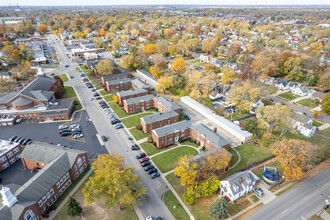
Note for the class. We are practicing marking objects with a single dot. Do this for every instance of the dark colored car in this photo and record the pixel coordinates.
(102, 102)
(66, 65)
(66, 134)
(26, 141)
(12, 138)
(65, 130)
(18, 139)
(153, 170)
(115, 121)
(119, 126)
(144, 164)
(104, 138)
(159, 218)
(148, 167)
(98, 98)
(187, 117)
(144, 159)
(82, 75)
(135, 147)
(154, 175)
(141, 155)
(21, 141)
(93, 90)
(96, 94)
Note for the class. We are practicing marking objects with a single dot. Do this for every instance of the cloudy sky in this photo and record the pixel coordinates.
(153, 2)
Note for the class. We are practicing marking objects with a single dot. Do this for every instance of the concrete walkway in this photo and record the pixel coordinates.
(239, 159)
(174, 148)
(63, 203)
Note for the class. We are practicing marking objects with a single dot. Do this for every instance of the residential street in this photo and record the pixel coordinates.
(300, 202)
(301, 109)
(118, 141)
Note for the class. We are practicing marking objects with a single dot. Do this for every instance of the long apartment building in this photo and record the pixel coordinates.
(59, 167)
(9, 153)
(158, 120)
(130, 94)
(139, 103)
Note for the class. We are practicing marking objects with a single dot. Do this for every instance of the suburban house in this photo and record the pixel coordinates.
(163, 104)
(59, 167)
(282, 84)
(317, 96)
(238, 184)
(5, 75)
(204, 59)
(36, 100)
(218, 63)
(139, 103)
(267, 80)
(9, 153)
(303, 124)
(258, 104)
(158, 120)
(128, 94)
(299, 90)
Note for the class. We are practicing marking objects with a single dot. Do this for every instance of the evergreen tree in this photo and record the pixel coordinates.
(219, 209)
(73, 207)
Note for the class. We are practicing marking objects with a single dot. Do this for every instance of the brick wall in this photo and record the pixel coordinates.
(157, 124)
(118, 87)
(136, 107)
(122, 98)
(170, 138)
(10, 157)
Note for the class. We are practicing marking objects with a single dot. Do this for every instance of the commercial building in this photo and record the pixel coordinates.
(130, 94)
(139, 103)
(158, 120)
(59, 167)
(11, 20)
(8, 119)
(9, 153)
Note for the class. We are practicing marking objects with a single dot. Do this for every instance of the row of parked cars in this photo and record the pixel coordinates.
(20, 140)
(147, 166)
(111, 115)
(74, 130)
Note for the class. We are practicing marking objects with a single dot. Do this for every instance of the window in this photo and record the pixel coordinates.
(15, 150)
(69, 182)
(5, 165)
(84, 158)
(12, 160)
(2, 159)
(81, 170)
(10, 154)
(40, 203)
(77, 174)
(75, 167)
(66, 185)
(54, 199)
(48, 195)
(51, 191)
(44, 199)
(58, 185)
(67, 175)
(85, 165)
(63, 188)
(64, 178)
(61, 181)
(60, 192)
(18, 156)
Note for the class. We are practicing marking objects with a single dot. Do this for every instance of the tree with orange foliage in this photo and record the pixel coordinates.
(42, 28)
(295, 156)
(102, 32)
(115, 98)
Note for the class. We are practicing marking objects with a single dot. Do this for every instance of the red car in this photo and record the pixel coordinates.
(144, 159)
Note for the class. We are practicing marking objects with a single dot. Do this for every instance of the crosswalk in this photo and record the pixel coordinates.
(30, 121)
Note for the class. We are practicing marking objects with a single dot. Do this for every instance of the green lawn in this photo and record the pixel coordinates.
(271, 89)
(134, 120)
(98, 86)
(174, 206)
(288, 96)
(64, 77)
(234, 159)
(77, 104)
(307, 102)
(238, 115)
(169, 160)
(325, 132)
(138, 134)
(237, 207)
(103, 92)
(182, 118)
(249, 155)
(77, 69)
(189, 143)
(255, 198)
(118, 110)
(317, 123)
(69, 92)
(150, 149)
(108, 98)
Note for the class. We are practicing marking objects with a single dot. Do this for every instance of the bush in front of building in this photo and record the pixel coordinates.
(73, 207)
(149, 139)
(138, 127)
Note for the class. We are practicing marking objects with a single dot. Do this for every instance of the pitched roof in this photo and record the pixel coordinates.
(319, 95)
(40, 83)
(210, 135)
(114, 76)
(303, 119)
(139, 99)
(117, 81)
(159, 116)
(22, 101)
(131, 92)
(5, 98)
(172, 128)
(234, 180)
(167, 103)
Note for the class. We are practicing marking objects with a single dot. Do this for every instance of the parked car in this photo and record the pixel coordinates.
(135, 147)
(149, 218)
(153, 170)
(74, 126)
(144, 159)
(66, 134)
(148, 167)
(21, 141)
(18, 120)
(65, 130)
(91, 98)
(104, 138)
(61, 127)
(115, 121)
(82, 75)
(187, 117)
(258, 191)
(98, 98)
(154, 175)
(12, 138)
(159, 218)
(96, 94)
(18, 139)
(76, 136)
(26, 141)
(141, 155)
(119, 126)
(66, 65)
(93, 90)
(130, 138)
(145, 163)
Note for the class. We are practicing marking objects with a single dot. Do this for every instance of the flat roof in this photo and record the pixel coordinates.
(5, 146)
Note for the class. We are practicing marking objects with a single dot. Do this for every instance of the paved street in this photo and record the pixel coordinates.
(301, 109)
(298, 203)
(119, 143)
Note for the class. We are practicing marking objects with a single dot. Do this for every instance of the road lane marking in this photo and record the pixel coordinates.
(324, 185)
(285, 211)
(306, 197)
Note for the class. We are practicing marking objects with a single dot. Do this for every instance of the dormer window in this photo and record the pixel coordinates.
(235, 187)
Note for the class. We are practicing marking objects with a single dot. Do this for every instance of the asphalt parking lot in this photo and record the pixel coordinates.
(48, 132)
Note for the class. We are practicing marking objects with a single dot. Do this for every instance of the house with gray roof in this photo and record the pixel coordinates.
(132, 93)
(238, 184)
(59, 167)
(140, 103)
(299, 90)
(158, 120)
(163, 104)
(317, 96)
(303, 124)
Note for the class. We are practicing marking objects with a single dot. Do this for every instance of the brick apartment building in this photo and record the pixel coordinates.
(125, 84)
(163, 104)
(130, 94)
(139, 103)
(170, 134)
(115, 77)
(158, 120)
(9, 153)
(59, 167)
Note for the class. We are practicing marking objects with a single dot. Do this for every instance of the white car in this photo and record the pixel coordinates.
(76, 136)
(74, 126)
(19, 120)
(91, 98)
(149, 218)
(61, 127)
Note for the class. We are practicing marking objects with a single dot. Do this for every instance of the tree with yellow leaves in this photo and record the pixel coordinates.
(164, 83)
(150, 49)
(295, 156)
(115, 98)
(243, 96)
(102, 32)
(42, 28)
(209, 45)
(179, 65)
(105, 67)
(228, 75)
(214, 164)
(113, 183)
(186, 171)
(154, 72)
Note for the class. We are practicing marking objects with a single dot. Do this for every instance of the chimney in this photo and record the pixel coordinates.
(240, 180)
(7, 197)
(215, 129)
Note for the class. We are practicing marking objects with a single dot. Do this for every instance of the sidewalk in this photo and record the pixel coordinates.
(63, 203)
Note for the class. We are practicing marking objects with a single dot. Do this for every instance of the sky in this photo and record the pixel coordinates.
(160, 2)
